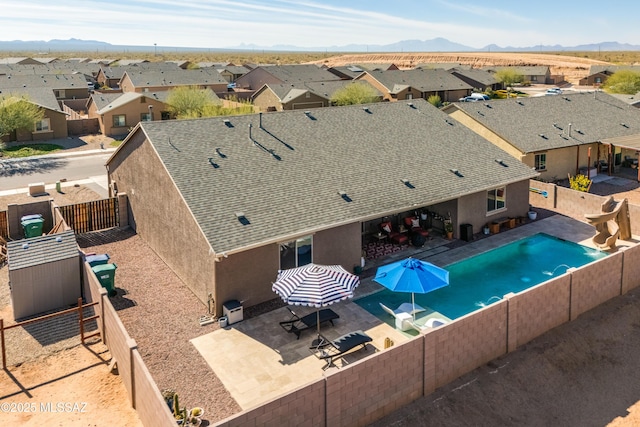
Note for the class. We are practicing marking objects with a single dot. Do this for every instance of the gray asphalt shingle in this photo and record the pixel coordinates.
(363, 151)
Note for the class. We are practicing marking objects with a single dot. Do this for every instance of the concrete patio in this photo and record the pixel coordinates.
(257, 360)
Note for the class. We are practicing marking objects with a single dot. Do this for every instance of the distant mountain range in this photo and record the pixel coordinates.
(434, 45)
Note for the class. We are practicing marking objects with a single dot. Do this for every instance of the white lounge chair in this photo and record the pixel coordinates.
(431, 323)
(403, 315)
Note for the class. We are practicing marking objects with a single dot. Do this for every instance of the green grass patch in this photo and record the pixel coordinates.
(29, 150)
(116, 143)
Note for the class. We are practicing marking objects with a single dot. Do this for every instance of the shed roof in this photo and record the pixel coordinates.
(42, 250)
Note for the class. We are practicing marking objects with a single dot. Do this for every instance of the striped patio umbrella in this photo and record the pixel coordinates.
(315, 285)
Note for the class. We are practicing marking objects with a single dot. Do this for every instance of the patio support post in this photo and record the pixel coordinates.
(589, 163)
(577, 160)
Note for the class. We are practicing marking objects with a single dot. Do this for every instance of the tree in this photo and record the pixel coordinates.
(508, 77)
(623, 81)
(435, 100)
(17, 113)
(354, 93)
(190, 102)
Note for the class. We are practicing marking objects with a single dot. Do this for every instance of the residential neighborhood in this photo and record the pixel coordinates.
(445, 163)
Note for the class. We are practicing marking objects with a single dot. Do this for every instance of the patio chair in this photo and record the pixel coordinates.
(298, 324)
(403, 315)
(394, 236)
(332, 350)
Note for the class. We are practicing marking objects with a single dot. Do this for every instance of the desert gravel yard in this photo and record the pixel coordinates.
(161, 314)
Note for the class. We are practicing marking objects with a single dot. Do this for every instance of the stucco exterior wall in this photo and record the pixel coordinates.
(562, 161)
(160, 217)
(133, 112)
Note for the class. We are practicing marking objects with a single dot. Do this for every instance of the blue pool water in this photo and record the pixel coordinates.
(484, 279)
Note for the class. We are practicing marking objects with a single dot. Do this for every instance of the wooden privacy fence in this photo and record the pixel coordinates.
(4, 225)
(91, 216)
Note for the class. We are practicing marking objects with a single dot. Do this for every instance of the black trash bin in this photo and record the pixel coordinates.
(466, 232)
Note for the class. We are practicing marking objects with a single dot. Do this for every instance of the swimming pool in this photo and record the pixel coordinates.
(484, 279)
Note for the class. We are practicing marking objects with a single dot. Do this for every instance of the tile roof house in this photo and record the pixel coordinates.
(419, 83)
(553, 134)
(280, 97)
(110, 76)
(117, 113)
(228, 201)
(64, 86)
(52, 125)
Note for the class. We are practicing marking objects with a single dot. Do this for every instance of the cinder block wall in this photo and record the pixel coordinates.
(375, 387)
(588, 292)
(631, 268)
(538, 310)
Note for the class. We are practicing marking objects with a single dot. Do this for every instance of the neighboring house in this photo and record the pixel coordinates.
(64, 86)
(88, 70)
(556, 135)
(347, 72)
(231, 73)
(161, 80)
(53, 124)
(300, 96)
(536, 74)
(478, 79)
(110, 76)
(443, 65)
(20, 60)
(399, 85)
(633, 100)
(227, 202)
(117, 113)
(128, 62)
(598, 74)
(281, 74)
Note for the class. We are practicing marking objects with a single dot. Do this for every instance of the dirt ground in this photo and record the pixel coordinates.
(572, 67)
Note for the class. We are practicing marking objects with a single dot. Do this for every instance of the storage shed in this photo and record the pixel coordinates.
(44, 273)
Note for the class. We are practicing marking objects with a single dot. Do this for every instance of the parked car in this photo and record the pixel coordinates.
(468, 99)
(553, 91)
(475, 97)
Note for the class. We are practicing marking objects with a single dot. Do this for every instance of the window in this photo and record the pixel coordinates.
(146, 117)
(119, 121)
(541, 162)
(42, 125)
(598, 80)
(296, 253)
(534, 78)
(496, 199)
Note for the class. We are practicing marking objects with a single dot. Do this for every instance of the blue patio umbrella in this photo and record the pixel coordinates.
(412, 275)
(315, 285)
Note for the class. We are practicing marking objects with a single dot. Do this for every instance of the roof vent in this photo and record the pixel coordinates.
(367, 110)
(579, 131)
(242, 218)
(543, 136)
(222, 155)
(407, 183)
(227, 123)
(309, 115)
(624, 125)
(555, 125)
(488, 106)
(448, 122)
(411, 105)
(502, 163)
(345, 196)
(214, 164)
(566, 99)
(519, 102)
(480, 112)
(457, 173)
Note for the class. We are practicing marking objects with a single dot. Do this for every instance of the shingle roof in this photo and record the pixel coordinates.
(44, 98)
(480, 76)
(288, 92)
(421, 79)
(52, 81)
(528, 123)
(175, 77)
(300, 73)
(106, 102)
(287, 180)
(42, 250)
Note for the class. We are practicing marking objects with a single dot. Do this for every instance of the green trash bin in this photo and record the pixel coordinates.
(106, 274)
(33, 227)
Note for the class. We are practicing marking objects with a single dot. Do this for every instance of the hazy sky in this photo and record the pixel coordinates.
(224, 23)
